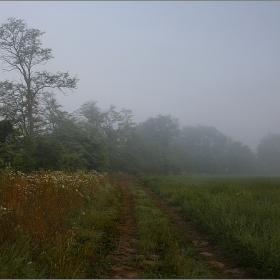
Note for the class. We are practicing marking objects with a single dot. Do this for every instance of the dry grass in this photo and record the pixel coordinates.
(55, 225)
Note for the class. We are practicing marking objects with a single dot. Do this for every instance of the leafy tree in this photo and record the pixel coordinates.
(48, 153)
(6, 130)
(52, 115)
(10, 145)
(206, 147)
(109, 128)
(21, 51)
(240, 159)
(213, 152)
(162, 129)
(107, 124)
(154, 148)
(268, 153)
(91, 118)
(147, 156)
(79, 150)
(126, 127)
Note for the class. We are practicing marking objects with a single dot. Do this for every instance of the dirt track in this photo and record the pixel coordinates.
(225, 266)
(125, 256)
(126, 259)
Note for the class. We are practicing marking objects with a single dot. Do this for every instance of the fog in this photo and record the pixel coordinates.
(208, 63)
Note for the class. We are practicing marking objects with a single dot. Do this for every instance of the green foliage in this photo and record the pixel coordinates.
(212, 152)
(6, 130)
(153, 148)
(48, 153)
(162, 245)
(16, 261)
(79, 150)
(240, 213)
(110, 128)
(109, 141)
(162, 129)
(21, 51)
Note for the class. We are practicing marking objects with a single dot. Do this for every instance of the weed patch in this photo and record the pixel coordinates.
(56, 225)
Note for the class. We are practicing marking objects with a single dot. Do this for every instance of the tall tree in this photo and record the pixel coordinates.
(241, 159)
(162, 129)
(206, 146)
(268, 153)
(109, 127)
(53, 116)
(10, 145)
(21, 50)
(213, 152)
(155, 146)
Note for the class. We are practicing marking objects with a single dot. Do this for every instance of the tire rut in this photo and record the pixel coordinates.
(221, 263)
(125, 258)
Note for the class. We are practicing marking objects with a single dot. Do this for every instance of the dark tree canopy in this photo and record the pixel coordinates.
(6, 130)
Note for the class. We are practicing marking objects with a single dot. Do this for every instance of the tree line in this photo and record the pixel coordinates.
(36, 133)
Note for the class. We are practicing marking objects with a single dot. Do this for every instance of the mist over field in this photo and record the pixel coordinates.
(208, 63)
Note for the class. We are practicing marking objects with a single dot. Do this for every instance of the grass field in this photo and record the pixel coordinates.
(242, 214)
(54, 225)
(158, 238)
(58, 225)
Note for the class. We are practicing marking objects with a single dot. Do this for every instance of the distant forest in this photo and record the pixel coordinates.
(109, 141)
(36, 134)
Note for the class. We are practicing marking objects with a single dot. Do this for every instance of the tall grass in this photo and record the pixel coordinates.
(242, 214)
(165, 254)
(56, 225)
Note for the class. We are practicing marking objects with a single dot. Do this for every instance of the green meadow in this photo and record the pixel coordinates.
(65, 225)
(242, 214)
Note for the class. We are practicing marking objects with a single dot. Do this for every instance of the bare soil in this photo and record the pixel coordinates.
(127, 261)
(125, 257)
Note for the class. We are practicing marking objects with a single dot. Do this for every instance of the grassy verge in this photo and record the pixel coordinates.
(165, 256)
(241, 214)
(56, 225)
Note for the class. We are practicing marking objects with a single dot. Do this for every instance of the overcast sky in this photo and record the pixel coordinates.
(208, 63)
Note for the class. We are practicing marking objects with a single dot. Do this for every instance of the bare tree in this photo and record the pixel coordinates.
(21, 50)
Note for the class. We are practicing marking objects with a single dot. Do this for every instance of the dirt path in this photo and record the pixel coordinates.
(126, 260)
(225, 266)
(125, 257)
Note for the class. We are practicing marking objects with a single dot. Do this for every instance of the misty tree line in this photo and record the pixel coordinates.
(110, 141)
(36, 134)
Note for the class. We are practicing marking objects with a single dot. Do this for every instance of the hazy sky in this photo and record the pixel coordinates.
(208, 63)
